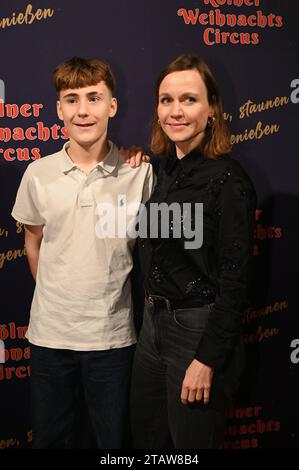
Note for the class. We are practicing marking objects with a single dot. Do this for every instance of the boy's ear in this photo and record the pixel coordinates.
(113, 107)
(58, 109)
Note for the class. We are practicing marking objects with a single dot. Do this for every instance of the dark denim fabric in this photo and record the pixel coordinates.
(55, 378)
(167, 345)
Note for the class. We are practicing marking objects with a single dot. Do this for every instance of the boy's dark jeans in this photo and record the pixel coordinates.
(55, 379)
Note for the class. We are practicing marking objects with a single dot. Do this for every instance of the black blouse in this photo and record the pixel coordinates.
(218, 272)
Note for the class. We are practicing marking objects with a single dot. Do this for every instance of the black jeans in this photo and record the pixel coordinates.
(167, 344)
(55, 378)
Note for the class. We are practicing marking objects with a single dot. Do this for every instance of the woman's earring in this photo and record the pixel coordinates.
(211, 121)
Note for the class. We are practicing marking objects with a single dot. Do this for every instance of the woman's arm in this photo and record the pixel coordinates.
(236, 206)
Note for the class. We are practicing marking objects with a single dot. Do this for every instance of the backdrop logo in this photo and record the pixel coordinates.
(246, 426)
(32, 133)
(17, 353)
(220, 25)
(265, 231)
(28, 17)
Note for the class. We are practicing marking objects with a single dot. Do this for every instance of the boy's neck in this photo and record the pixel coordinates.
(88, 156)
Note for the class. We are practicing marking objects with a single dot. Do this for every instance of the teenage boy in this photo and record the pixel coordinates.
(81, 326)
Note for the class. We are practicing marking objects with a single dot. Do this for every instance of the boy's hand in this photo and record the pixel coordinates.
(134, 156)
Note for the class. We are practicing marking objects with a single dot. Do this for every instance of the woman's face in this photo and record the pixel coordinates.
(183, 109)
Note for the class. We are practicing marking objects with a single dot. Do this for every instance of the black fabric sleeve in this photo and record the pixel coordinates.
(236, 208)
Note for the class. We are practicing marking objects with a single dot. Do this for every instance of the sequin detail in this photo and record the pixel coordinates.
(180, 180)
(200, 289)
(157, 276)
(215, 183)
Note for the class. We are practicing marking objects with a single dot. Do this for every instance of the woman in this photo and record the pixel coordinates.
(189, 354)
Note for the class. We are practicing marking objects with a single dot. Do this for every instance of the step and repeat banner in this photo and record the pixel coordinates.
(252, 46)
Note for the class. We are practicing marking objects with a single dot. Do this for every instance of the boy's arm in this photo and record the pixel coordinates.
(33, 239)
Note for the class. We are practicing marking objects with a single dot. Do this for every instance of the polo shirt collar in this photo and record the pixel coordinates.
(67, 162)
(111, 160)
(108, 164)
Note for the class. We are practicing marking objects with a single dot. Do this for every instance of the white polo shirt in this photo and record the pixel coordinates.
(82, 299)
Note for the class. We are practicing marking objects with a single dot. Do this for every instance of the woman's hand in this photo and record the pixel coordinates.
(197, 383)
(134, 156)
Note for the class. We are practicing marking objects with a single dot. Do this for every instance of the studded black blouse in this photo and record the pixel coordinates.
(217, 272)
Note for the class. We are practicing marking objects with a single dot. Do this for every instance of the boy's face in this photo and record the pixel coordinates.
(86, 112)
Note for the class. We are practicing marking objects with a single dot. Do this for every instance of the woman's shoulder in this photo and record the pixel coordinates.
(231, 166)
(233, 177)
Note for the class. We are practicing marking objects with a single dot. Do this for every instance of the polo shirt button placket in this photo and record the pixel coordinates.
(85, 194)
